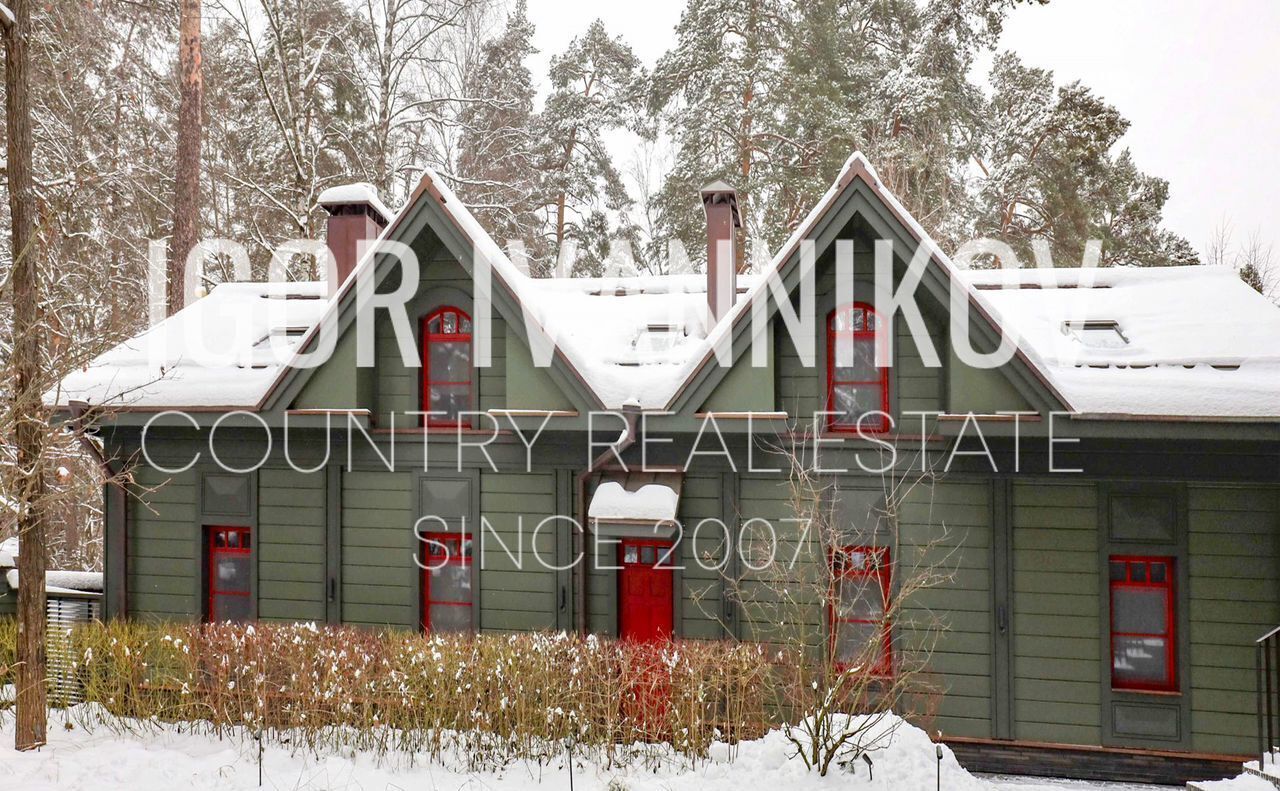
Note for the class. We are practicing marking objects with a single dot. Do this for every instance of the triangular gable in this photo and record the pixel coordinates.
(858, 192)
(433, 207)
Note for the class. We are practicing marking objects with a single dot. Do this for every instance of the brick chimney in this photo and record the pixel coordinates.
(720, 204)
(355, 213)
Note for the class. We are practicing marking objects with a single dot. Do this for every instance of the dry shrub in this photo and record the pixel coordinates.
(8, 649)
(485, 700)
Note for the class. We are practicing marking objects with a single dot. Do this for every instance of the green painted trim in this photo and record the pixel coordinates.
(471, 526)
(1180, 704)
(333, 543)
(857, 200)
(565, 600)
(115, 550)
(1002, 656)
(206, 517)
(730, 608)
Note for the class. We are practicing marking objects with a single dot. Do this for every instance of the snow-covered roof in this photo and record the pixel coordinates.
(9, 552)
(355, 192)
(224, 350)
(641, 340)
(1192, 341)
(634, 339)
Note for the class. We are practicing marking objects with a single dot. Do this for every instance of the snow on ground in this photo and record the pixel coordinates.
(79, 760)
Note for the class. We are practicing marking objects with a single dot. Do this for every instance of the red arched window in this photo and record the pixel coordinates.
(855, 385)
(446, 367)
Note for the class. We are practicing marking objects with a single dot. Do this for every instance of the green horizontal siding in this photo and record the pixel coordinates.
(397, 386)
(946, 530)
(701, 608)
(1057, 652)
(801, 390)
(517, 587)
(291, 545)
(377, 550)
(1234, 598)
(162, 546)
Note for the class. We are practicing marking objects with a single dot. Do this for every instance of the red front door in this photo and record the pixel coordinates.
(645, 590)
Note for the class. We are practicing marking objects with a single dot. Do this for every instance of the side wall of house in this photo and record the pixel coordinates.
(162, 549)
(1057, 679)
(1055, 613)
(1061, 654)
(1234, 598)
(945, 533)
(291, 542)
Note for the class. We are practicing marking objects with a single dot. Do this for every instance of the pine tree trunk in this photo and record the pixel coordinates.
(186, 203)
(28, 341)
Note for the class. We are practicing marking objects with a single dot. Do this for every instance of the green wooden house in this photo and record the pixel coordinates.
(1110, 499)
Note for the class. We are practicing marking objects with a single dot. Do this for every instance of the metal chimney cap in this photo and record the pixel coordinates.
(720, 192)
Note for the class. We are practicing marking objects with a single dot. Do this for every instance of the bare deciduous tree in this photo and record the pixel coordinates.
(835, 595)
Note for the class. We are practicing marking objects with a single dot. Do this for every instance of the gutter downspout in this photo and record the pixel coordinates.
(631, 412)
(115, 562)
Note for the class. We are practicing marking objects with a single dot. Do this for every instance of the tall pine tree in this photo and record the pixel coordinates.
(497, 173)
(1049, 173)
(714, 91)
(596, 87)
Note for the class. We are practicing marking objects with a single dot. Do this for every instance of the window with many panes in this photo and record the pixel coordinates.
(861, 631)
(446, 367)
(1142, 623)
(229, 554)
(446, 582)
(857, 389)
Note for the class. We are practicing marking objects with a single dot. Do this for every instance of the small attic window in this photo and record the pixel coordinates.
(292, 296)
(1096, 334)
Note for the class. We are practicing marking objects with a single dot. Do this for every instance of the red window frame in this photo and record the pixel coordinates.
(428, 338)
(877, 565)
(442, 549)
(881, 381)
(219, 542)
(663, 552)
(1170, 635)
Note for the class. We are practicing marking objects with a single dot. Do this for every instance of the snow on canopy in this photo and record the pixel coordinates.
(224, 350)
(62, 581)
(656, 502)
(1188, 341)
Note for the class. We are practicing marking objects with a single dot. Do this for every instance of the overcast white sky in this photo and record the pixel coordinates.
(1199, 80)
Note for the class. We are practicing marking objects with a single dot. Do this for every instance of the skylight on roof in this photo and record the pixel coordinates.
(1096, 334)
(659, 338)
(281, 332)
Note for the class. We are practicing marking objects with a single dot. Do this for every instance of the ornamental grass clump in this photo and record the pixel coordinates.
(485, 700)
